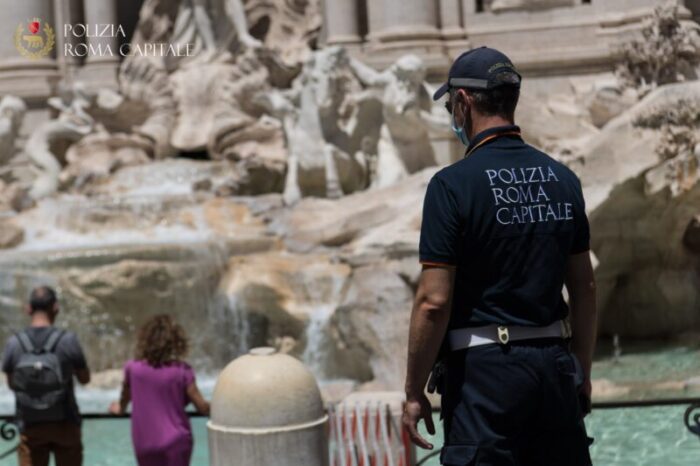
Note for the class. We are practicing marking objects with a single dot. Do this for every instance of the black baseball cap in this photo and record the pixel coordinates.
(481, 68)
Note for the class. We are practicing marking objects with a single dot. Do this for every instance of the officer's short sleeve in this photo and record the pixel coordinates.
(440, 226)
(582, 233)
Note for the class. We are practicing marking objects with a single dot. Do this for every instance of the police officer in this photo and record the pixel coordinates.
(503, 230)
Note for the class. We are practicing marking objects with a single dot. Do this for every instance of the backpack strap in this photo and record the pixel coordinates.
(25, 342)
(52, 340)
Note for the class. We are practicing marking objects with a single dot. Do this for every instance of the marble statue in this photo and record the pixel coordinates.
(196, 24)
(321, 160)
(146, 85)
(12, 111)
(404, 144)
(72, 124)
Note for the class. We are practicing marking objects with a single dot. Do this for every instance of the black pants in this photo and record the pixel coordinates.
(514, 405)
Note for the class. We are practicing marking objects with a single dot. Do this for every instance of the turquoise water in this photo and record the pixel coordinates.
(635, 437)
(624, 437)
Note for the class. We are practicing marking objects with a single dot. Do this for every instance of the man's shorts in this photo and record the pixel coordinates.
(514, 405)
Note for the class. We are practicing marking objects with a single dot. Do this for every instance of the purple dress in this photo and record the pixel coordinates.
(160, 429)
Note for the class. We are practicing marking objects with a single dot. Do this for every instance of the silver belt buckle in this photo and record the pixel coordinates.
(503, 335)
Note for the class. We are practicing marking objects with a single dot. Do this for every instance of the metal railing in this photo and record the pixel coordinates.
(691, 418)
(9, 430)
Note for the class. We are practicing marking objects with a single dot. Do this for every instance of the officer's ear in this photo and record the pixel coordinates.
(462, 100)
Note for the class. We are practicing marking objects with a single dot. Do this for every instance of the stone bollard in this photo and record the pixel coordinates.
(267, 410)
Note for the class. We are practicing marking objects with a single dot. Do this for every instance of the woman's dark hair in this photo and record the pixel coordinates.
(161, 340)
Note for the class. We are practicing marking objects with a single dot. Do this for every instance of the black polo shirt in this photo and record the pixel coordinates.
(507, 216)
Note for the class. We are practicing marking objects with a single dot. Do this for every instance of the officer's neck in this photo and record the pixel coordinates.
(483, 123)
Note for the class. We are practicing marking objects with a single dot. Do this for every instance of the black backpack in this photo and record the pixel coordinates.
(40, 386)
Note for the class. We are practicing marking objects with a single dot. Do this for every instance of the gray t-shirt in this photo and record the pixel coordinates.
(68, 351)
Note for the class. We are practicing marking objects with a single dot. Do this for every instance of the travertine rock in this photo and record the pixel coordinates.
(10, 235)
(279, 294)
(691, 237)
(608, 102)
(647, 278)
(367, 225)
(98, 155)
(372, 324)
(108, 292)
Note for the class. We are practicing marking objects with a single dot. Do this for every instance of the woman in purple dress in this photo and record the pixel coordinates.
(160, 385)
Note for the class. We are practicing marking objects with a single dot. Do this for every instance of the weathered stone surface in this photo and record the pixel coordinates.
(10, 235)
(647, 278)
(375, 223)
(608, 102)
(371, 325)
(280, 295)
(96, 156)
(106, 293)
(691, 237)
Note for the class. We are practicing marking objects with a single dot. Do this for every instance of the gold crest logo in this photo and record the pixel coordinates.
(35, 39)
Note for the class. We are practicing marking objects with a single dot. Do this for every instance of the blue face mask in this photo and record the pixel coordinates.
(461, 134)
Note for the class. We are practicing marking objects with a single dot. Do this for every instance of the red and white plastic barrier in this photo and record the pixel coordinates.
(367, 434)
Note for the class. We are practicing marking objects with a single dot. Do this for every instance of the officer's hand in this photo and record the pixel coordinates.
(585, 393)
(417, 408)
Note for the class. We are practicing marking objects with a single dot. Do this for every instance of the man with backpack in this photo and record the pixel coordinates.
(40, 363)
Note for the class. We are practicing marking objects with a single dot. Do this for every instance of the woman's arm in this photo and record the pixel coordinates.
(118, 408)
(195, 396)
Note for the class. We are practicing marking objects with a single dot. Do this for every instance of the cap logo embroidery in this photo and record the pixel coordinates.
(495, 66)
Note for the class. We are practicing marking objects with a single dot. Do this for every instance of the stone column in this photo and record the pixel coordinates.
(101, 68)
(342, 22)
(398, 27)
(403, 20)
(451, 19)
(67, 12)
(30, 77)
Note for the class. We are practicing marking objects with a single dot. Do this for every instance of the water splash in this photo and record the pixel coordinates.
(315, 353)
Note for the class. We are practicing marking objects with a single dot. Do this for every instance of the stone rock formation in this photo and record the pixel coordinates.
(277, 296)
(371, 325)
(640, 207)
(10, 235)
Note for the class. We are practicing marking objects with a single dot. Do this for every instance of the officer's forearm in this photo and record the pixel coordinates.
(583, 327)
(429, 321)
